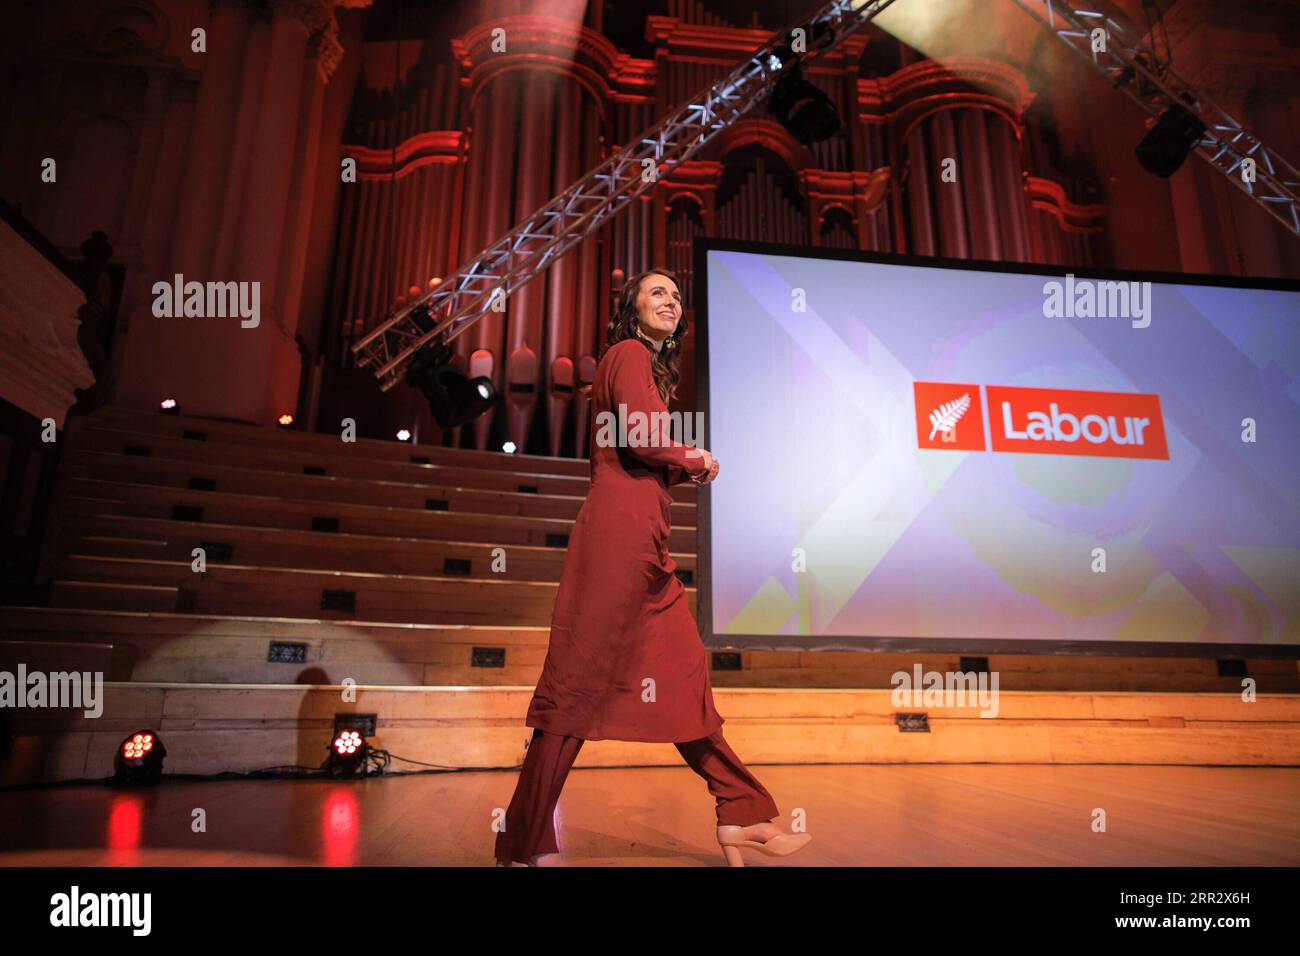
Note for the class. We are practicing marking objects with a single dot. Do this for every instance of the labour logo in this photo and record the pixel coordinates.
(1057, 421)
(949, 416)
(1044, 421)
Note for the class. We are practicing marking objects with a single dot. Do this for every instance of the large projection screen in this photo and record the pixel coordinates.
(934, 454)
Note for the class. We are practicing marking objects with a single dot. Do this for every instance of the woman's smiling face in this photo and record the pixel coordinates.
(658, 306)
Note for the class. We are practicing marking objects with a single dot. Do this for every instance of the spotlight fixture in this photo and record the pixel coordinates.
(423, 318)
(1169, 142)
(348, 753)
(508, 448)
(454, 398)
(802, 108)
(169, 406)
(139, 759)
(285, 420)
(403, 435)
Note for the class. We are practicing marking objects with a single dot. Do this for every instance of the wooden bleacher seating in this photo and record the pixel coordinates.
(372, 562)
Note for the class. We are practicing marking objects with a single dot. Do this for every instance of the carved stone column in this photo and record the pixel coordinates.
(208, 160)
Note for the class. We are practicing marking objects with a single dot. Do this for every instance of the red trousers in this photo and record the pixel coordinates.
(530, 818)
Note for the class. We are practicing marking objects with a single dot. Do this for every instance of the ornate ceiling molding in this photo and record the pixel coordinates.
(323, 29)
(127, 33)
(769, 134)
(676, 38)
(695, 179)
(550, 43)
(1049, 196)
(437, 146)
(907, 96)
(854, 191)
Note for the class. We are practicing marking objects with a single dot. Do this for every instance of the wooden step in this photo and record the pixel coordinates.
(291, 592)
(794, 669)
(91, 497)
(210, 729)
(124, 536)
(111, 661)
(214, 648)
(285, 457)
(173, 474)
(327, 445)
(113, 596)
(178, 476)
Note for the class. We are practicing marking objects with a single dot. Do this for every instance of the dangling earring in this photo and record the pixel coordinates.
(668, 342)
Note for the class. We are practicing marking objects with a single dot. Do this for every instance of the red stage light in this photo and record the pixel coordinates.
(348, 753)
(137, 746)
(139, 759)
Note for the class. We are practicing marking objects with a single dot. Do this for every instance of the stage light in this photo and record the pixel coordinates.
(508, 448)
(454, 398)
(1169, 142)
(169, 406)
(423, 318)
(139, 759)
(802, 108)
(403, 435)
(285, 420)
(348, 752)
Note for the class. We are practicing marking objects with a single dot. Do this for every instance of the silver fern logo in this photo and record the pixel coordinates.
(946, 416)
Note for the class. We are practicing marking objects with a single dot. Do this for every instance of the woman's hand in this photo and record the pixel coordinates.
(712, 468)
(708, 462)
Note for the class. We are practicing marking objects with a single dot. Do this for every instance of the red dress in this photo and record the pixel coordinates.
(625, 661)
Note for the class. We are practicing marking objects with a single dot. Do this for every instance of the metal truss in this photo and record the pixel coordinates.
(527, 250)
(1154, 86)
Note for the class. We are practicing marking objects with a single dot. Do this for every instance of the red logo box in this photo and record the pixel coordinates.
(1053, 421)
(949, 416)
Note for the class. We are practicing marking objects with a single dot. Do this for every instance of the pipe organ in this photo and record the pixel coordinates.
(455, 143)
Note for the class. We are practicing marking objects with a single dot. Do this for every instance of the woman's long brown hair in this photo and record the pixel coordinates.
(664, 362)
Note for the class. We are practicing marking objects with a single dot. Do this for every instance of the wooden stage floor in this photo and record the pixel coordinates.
(859, 815)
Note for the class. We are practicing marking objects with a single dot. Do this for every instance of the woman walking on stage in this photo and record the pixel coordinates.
(625, 660)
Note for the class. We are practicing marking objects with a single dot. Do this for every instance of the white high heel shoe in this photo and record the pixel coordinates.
(732, 838)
